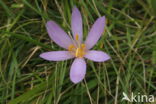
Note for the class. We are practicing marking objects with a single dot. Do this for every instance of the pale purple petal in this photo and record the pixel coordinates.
(76, 23)
(78, 70)
(95, 32)
(56, 55)
(58, 35)
(97, 56)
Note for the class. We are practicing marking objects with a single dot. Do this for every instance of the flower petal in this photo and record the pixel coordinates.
(76, 23)
(78, 70)
(56, 55)
(97, 56)
(58, 35)
(95, 32)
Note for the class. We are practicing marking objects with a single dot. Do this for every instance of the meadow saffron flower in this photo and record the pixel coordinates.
(75, 46)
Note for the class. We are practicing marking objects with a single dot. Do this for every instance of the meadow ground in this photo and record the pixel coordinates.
(129, 38)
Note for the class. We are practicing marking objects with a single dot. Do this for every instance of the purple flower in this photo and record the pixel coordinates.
(75, 47)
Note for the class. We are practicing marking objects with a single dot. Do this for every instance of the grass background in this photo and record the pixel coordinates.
(129, 38)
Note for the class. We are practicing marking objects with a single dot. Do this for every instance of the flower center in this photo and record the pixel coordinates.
(78, 50)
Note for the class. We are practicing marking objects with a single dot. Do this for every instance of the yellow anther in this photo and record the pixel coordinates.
(77, 37)
(80, 52)
(77, 51)
(71, 47)
(83, 46)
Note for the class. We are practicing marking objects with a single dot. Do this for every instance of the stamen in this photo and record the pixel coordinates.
(78, 50)
(77, 41)
(83, 46)
(71, 47)
(77, 37)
